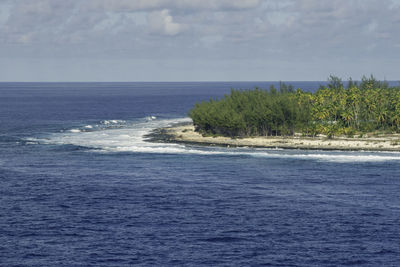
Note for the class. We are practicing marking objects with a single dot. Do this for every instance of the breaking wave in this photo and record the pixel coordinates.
(110, 136)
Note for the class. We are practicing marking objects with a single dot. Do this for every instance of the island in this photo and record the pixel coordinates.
(358, 116)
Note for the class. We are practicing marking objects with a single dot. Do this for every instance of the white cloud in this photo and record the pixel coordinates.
(162, 22)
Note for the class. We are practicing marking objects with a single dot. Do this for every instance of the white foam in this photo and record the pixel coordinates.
(107, 122)
(30, 143)
(130, 138)
(342, 157)
(89, 127)
(150, 118)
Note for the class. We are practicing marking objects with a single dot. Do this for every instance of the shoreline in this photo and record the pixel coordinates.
(183, 133)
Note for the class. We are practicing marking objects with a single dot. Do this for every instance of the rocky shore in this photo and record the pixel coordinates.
(184, 133)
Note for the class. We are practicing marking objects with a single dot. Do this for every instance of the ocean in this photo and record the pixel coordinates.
(79, 186)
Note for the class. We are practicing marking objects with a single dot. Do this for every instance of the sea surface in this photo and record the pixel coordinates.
(79, 186)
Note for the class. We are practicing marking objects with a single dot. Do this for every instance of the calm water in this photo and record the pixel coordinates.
(80, 187)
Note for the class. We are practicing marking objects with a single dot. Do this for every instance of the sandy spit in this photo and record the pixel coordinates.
(186, 134)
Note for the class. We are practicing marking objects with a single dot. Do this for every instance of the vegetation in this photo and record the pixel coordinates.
(358, 108)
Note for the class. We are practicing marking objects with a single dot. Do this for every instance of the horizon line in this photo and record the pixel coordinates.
(210, 81)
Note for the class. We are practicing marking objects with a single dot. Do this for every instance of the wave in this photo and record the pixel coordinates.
(150, 118)
(111, 136)
(108, 122)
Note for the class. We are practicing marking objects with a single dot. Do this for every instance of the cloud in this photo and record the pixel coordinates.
(262, 22)
(292, 31)
(136, 5)
(161, 22)
(52, 21)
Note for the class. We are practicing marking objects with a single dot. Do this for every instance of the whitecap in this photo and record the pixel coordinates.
(150, 118)
(31, 143)
(111, 122)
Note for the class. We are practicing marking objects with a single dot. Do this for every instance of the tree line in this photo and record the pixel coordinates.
(335, 109)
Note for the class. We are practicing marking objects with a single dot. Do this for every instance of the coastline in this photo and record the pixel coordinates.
(184, 133)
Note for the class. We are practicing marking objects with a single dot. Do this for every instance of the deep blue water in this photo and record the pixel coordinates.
(80, 187)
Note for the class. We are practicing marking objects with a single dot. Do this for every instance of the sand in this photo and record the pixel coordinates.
(187, 134)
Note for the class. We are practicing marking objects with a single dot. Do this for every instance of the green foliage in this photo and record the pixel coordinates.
(331, 110)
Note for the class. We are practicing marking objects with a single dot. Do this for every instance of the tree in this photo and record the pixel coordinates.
(331, 110)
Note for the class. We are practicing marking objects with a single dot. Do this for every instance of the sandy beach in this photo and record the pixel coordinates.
(186, 134)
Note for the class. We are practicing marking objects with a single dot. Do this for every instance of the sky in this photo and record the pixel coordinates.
(198, 40)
